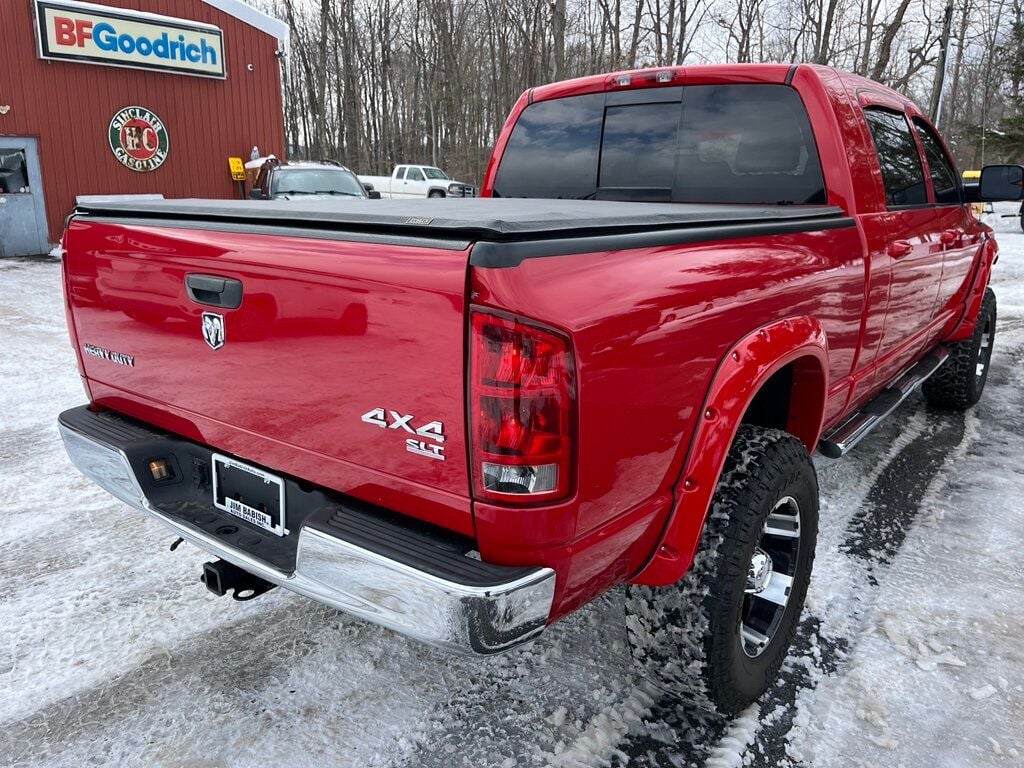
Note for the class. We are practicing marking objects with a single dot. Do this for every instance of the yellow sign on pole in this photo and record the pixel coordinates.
(237, 168)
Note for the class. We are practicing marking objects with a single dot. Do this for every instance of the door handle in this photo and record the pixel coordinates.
(214, 291)
(950, 236)
(900, 248)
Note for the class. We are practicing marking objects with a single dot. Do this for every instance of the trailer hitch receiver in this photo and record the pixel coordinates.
(221, 577)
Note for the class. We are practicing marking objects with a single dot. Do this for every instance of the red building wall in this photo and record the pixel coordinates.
(67, 106)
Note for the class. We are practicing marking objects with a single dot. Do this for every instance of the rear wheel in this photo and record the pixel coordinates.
(718, 638)
(958, 384)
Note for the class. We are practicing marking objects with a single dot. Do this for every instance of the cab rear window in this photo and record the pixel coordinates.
(702, 143)
(554, 149)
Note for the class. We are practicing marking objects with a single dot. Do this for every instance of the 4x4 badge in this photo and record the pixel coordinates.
(434, 431)
(213, 329)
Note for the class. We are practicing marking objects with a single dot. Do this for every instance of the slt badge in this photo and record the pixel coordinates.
(394, 420)
(213, 329)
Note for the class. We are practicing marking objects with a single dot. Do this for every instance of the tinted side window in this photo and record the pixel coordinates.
(553, 150)
(898, 157)
(400, 173)
(945, 180)
(747, 144)
(639, 145)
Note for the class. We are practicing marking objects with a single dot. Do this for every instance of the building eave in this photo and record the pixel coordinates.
(254, 18)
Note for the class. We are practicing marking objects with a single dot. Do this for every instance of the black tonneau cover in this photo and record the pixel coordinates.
(491, 219)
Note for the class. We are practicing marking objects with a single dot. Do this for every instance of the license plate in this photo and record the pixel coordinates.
(249, 493)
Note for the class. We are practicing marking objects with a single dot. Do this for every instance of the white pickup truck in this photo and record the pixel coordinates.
(418, 181)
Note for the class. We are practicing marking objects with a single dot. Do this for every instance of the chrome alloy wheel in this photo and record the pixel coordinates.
(984, 349)
(770, 577)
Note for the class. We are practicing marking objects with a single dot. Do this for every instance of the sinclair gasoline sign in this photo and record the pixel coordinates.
(94, 34)
(138, 139)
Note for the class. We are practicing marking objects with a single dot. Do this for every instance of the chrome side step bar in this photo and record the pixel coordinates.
(856, 427)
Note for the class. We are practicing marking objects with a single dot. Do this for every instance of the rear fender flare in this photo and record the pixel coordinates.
(740, 374)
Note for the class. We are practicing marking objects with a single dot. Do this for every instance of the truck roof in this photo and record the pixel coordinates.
(631, 79)
(504, 219)
(314, 164)
(658, 77)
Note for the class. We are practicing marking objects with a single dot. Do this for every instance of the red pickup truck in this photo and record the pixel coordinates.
(465, 419)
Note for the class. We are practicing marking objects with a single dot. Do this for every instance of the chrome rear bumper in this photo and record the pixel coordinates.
(478, 614)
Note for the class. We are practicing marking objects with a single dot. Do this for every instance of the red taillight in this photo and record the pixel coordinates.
(523, 401)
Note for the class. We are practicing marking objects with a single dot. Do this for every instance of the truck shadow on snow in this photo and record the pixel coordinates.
(878, 529)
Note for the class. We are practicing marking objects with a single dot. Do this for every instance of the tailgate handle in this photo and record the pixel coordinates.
(214, 291)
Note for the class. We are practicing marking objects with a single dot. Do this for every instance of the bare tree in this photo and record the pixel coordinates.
(377, 82)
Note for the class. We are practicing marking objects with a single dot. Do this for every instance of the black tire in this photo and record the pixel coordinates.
(435, 193)
(958, 384)
(687, 638)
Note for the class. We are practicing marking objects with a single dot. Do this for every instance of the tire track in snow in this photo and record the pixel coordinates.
(991, 439)
(676, 735)
(564, 700)
(290, 684)
(97, 715)
(879, 528)
(899, 498)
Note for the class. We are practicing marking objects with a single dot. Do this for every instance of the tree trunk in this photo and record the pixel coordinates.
(558, 35)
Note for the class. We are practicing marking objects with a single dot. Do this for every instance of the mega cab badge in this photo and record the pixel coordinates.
(138, 139)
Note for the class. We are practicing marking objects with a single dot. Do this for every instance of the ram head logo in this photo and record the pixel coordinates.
(213, 329)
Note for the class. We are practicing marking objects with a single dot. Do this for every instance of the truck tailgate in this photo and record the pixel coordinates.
(342, 365)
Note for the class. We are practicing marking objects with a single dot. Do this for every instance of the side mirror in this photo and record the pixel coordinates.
(256, 193)
(1002, 182)
(374, 194)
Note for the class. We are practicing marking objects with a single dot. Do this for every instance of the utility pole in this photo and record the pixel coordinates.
(940, 66)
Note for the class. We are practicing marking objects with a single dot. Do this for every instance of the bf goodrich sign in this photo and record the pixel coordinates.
(95, 34)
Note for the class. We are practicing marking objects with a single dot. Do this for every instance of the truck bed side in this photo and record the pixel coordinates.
(651, 326)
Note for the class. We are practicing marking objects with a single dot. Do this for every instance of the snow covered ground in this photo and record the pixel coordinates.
(115, 654)
(935, 671)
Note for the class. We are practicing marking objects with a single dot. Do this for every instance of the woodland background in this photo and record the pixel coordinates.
(378, 82)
